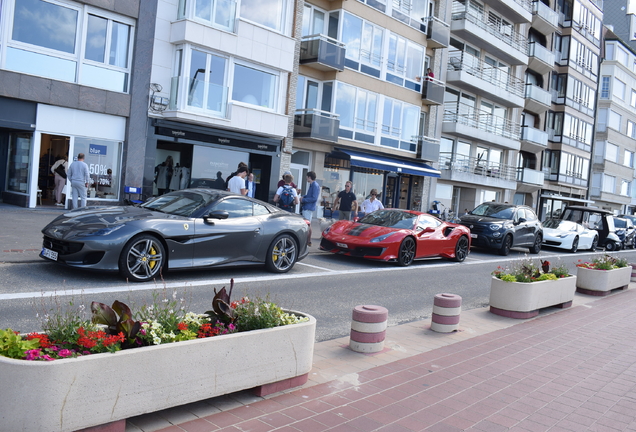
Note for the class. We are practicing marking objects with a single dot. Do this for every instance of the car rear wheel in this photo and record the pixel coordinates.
(461, 249)
(594, 244)
(506, 246)
(282, 254)
(142, 259)
(536, 247)
(611, 246)
(575, 245)
(407, 252)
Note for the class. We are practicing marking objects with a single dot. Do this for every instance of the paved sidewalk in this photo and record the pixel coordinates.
(566, 370)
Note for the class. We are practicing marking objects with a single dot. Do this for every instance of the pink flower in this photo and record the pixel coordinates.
(65, 353)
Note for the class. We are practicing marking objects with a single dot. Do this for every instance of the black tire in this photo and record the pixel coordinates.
(575, 245)
(461, 249)
(610, 246)
(506, 245)
(594, 244)
(281, 254)
(634, 243)
(536, 246)
(406, 255)
(142, 259)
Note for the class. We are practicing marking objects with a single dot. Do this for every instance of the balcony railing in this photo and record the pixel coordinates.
(476, 166)
(471, 117)
(540, 52)
(437, 32)
(527, 175)
(548, 15)
(433, 91)
(196, 95)
(316, 124)
(534, 136)
(492, 25)
(326, 53)
(482, 70)
(537, 94)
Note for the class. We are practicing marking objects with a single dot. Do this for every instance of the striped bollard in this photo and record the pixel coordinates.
(446, 310)
(368, 328)
(633, 278)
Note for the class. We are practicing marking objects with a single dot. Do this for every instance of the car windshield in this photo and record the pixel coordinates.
(181, 203)
(559, 224)
(498, 211)
(620, 223)
(390, 218)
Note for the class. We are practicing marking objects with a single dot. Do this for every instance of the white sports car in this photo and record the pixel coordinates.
(568, 235)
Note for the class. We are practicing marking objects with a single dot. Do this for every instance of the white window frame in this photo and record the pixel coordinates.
(609, 184)
(611, 152)
(614, 120)
(628, 158)
(618, 89)
(283, 25)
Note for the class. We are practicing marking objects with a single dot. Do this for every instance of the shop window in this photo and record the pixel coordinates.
(268, 13)
(106, 42)
(18, 165)
(104, 165)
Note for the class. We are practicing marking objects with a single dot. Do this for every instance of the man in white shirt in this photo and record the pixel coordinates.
(237, 183)
(372, 204)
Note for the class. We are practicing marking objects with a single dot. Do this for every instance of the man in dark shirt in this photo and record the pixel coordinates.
(346, 203)
(281, 182)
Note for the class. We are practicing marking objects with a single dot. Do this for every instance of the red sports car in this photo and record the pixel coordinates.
(397, 235)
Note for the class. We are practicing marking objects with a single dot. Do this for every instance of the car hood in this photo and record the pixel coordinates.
(360, 230)
(91, 219)
(468, 219)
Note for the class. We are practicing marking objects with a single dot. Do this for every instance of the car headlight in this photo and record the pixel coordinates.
(495, 227)
(101, 232)
(381, 238)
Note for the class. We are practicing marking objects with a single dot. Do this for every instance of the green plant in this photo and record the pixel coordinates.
(261, 313)
(118, 320)
(527, 271)
(604, 262)
(14, 346)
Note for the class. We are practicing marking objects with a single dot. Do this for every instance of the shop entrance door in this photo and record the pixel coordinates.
(404, 192)
(52, 149)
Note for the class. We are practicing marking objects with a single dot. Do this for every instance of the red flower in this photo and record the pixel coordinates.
(182, 326)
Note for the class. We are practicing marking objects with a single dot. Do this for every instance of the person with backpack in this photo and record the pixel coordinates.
(286, 195)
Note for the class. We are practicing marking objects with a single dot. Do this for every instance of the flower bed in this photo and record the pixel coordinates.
(70, 394)
(603, 275)
(520, 292)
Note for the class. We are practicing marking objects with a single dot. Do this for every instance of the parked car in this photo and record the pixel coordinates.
(502, 226)
(397, 235)
(185, 229)
(625, 231)
(598, 219)
(568, 235)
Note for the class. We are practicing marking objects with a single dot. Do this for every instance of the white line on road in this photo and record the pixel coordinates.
(316, 267)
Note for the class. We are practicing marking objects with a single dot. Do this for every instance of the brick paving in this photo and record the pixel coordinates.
(566, 370)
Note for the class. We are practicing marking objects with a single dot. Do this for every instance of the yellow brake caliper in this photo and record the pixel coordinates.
(152, 263)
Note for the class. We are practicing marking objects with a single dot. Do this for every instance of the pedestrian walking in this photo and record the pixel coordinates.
(79, 177)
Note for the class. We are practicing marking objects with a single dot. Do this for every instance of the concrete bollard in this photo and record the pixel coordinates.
(446, 310)
(368, 328)
(633, 278)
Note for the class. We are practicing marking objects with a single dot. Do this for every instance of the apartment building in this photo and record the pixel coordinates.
(615, 137)
(66, 87)
(367, 108)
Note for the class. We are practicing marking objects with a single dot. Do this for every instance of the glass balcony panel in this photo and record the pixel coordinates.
(527, 175)
(540, 59)
(433, 91)
(322, 52)
(437, 32)
(316, 124)
(544, 19)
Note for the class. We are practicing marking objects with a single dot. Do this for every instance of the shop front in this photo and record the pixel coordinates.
(61, 133)
(400, 183)
(189, 156)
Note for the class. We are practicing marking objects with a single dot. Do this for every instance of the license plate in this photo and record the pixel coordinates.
(473, 236)
(342, 245)
(48, 253)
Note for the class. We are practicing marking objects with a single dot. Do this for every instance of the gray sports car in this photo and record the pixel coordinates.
(190, 228)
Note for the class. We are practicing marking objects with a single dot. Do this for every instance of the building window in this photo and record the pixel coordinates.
(631, 129)
(626, 188)
(614, 120)
(400, 123)
(609, 184)
(206, 86)
(605, 86)
(404, 63)
(47, 40)
(628, 159)
(254, 86)
(214, 13)
(364, 45)
(104, 165)
(357, 109)
(611, 152)
(619, 89)
(268, 13)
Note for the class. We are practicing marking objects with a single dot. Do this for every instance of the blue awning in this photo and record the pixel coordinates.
(383, 163)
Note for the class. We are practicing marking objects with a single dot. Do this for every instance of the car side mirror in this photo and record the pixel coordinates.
(216, 214)
(521, 220)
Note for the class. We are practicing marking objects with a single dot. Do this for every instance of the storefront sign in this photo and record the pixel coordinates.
(215, 139)
(97, 150)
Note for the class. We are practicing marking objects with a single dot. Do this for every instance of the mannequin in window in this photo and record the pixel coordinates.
(163, 175)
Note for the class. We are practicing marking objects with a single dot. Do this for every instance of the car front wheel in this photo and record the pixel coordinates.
(536, 247)
(610, 246)
(406, 255)
(594, 244)
(282, 254)
(506, 245)
(142, 259)
(461, 249)
(575, 245)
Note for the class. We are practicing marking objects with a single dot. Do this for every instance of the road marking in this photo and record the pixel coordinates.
(316, 267)
(225, 282)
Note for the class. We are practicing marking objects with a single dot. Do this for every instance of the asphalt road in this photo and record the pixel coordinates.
(324, 285)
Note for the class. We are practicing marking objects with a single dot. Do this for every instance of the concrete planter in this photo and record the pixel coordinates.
(602, 282)
(73, 394)
(523, 300)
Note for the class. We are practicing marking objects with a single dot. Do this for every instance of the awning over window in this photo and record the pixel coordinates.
(383, 163)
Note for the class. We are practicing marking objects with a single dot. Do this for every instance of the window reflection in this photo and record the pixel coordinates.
(45, 24)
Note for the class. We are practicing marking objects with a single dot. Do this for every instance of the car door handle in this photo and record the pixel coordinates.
(257, 230)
